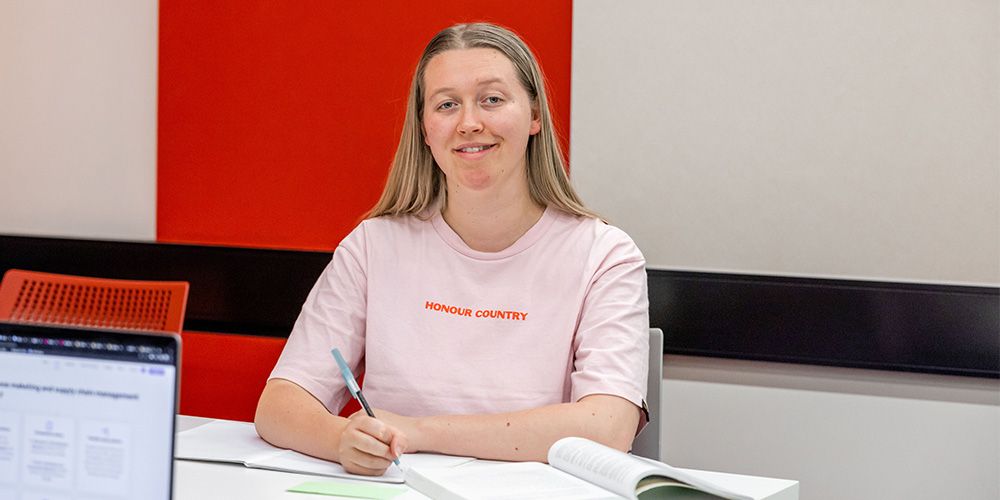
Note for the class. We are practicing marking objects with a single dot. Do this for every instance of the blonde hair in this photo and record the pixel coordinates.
(415, 182)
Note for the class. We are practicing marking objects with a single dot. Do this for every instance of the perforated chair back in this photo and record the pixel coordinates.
(647, 443)
(46, 298)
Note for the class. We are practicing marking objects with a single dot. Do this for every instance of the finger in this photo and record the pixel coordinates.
(394, 439)
(383, 435)
(367, 461)
(364, 467)
(375, 428)
(353, 451)
(398, 444)
(369, 444)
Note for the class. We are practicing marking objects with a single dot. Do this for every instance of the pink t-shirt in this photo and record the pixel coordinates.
(440, 328)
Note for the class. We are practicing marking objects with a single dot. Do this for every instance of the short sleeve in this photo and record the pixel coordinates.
(611, 345)
(333, 315)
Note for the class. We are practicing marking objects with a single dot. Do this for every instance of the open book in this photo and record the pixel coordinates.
(237, 442)
(578, 469)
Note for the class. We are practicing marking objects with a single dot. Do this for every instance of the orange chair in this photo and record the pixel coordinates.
(34, 297)
(222, 375)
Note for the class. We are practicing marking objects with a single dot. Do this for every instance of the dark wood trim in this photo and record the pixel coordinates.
(945, 329)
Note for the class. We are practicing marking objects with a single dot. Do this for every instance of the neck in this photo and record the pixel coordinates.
(488, 222)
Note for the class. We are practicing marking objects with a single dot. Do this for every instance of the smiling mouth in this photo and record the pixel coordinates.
(475, 149)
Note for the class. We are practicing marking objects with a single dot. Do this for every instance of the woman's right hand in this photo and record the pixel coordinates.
(368, 446)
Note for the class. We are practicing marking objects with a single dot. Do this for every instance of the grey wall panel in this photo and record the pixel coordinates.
(821, 138)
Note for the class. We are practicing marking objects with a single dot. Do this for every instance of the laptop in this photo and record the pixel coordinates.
(86, 413)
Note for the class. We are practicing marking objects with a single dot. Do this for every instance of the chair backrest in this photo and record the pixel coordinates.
(46, 298)
(647, 443)
(222, 375)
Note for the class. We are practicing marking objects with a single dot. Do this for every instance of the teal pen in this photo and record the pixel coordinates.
(352, 385)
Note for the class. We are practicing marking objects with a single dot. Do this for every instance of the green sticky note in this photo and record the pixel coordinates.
(354, 490)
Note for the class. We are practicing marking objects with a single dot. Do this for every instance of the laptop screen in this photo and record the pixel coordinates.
(86, 413)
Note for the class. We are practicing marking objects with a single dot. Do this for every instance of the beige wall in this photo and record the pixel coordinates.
(843, 433)
(78, 118)
(852, 138)
(849, 138)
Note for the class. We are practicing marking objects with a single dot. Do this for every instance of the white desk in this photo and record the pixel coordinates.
(213, 481)
(203, 480)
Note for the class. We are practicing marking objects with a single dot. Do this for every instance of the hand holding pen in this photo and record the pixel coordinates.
(352, 386)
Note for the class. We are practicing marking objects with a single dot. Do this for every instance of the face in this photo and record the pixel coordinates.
(477, 120)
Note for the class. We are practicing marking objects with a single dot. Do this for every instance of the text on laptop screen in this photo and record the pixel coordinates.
(86, 413)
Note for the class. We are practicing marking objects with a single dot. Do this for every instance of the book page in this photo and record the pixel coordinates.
(621, 472)
(603, 466)
(291, 461)
(223, 441)
(525, 480)
(699, 480)
(238, 442)
(753, 487)
(658, 487)
(408, 460)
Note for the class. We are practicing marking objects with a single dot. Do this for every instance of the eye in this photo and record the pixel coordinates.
(493, 100)
(445, 106)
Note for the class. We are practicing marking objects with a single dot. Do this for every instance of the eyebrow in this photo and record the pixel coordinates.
(487, 81)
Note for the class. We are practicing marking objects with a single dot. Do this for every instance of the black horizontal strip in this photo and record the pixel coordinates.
(948, 329)
(233, 290)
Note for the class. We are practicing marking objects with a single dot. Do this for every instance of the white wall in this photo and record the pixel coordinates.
(843, 433)
(78, 118)
(849, 138)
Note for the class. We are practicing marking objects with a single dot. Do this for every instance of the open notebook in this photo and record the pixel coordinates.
(581, 469)
(237, 442)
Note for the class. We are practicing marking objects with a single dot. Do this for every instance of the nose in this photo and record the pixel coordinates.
(470, 122)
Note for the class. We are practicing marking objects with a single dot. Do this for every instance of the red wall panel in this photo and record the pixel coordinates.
(278, 120)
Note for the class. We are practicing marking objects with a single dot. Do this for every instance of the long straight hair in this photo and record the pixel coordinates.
(415, 182)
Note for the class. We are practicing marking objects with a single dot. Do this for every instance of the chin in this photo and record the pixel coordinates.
(475, 178)
(477, 182)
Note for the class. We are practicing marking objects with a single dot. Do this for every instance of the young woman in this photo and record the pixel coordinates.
(491, 313)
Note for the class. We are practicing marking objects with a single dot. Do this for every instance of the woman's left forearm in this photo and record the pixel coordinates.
(524, 435)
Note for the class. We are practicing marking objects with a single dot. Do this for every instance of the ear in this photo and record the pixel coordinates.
(536, 122)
